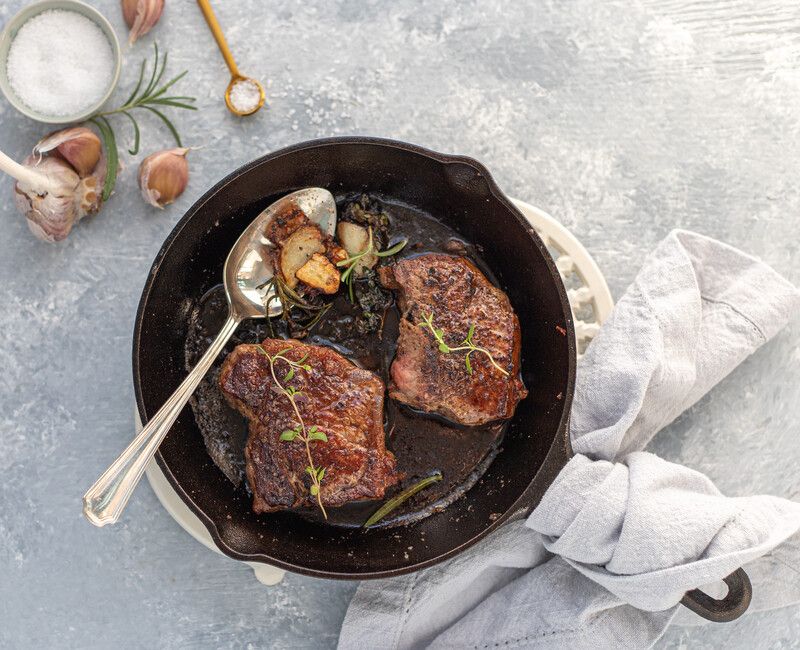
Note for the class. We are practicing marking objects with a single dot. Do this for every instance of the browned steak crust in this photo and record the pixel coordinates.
(343, 401)
(458, 295)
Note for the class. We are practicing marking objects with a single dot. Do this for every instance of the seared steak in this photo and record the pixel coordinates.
(459, 296)
(343, 401)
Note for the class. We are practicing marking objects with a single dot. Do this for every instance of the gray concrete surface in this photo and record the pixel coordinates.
(622, 119)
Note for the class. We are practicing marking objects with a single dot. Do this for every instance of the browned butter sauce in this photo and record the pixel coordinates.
(422, 443)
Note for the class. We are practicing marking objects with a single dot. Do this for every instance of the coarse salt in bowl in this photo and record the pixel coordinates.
(59, 61)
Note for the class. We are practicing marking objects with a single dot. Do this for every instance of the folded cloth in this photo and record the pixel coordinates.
(631, 533)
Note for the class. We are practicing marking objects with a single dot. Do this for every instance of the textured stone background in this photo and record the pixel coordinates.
(622, 119)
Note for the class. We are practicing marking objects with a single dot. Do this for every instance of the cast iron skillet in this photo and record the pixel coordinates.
(458, 191)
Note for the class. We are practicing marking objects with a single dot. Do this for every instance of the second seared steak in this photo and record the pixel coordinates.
(459, 296)
(342, 400)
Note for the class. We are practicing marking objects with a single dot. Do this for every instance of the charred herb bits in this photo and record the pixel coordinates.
(298, 314)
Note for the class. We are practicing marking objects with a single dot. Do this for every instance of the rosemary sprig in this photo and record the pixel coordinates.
(300, 432)
(466, 344)
(152, 98)
(351, 262)
(289, 299)
(398, 499)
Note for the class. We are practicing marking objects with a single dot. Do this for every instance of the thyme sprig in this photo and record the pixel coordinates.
(350, 263)
(401, 498)
(467, 344)
(289, 299)
(300, 431)
(153, 98)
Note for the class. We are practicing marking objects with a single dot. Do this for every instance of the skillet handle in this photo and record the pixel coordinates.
(727, 609)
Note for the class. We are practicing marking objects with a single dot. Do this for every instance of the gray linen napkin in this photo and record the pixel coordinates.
(631, 533)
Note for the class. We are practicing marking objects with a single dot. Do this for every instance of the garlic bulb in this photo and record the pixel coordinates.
(141, 16)
(58, 185)
(163, 176)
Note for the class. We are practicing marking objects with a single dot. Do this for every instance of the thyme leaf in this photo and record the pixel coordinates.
(394, 250)
(300, 432)
(467, 344)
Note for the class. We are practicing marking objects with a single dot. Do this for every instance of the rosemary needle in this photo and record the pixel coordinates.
(399, 499)
(152, 98)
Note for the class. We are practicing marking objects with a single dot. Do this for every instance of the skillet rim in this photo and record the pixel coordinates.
(557, 455)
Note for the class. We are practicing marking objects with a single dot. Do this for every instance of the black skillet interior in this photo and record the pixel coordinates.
(459, 192)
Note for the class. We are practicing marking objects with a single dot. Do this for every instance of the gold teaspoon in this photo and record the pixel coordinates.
(236, 76)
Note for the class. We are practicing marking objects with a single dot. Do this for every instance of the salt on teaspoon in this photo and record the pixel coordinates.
(246, 274)
(244, 95)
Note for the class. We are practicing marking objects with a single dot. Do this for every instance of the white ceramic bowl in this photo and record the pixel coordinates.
(25, 14)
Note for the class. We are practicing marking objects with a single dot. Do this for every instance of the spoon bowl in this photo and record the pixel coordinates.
(246, 276)
(236, 77)
(232, 105)
(248, 268)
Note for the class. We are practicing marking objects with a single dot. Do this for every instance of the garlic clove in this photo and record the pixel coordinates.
(50, 218)
(52, 213)
(89, 194)
(141, 16)
(163, 176)
(79, 146)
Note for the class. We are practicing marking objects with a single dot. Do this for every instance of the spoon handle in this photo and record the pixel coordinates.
(216, 30)
(106, 499)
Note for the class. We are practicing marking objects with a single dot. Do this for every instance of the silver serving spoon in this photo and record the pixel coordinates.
(247, 269)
